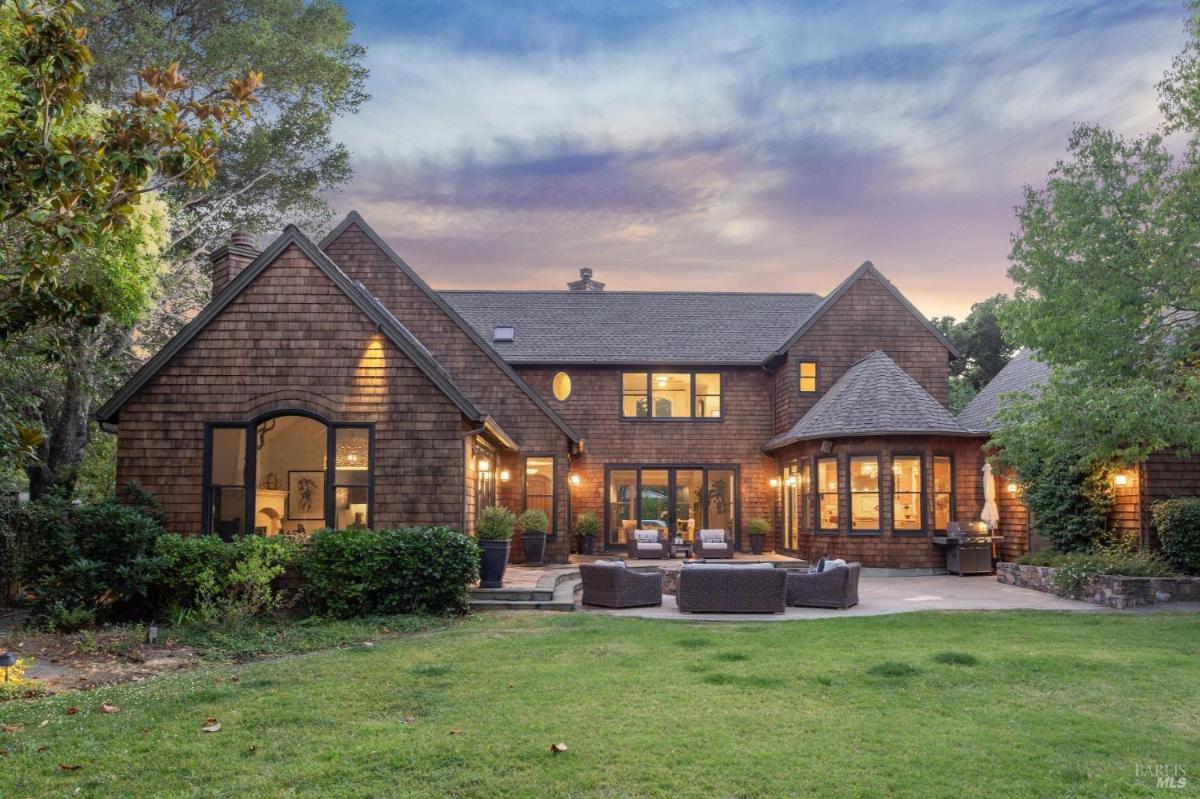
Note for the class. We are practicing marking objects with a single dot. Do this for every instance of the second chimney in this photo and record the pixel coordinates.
(585, 282)
(230, 259)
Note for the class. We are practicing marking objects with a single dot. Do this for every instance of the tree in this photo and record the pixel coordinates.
(985, 352)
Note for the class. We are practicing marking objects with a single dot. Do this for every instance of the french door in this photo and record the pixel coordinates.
(678, 499)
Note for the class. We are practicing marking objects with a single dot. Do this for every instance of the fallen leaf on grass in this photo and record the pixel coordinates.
(65, 767)
(235, 678)
(368, 643)
(44, 722)
(211, 725)
(455, 731)
(42, 748)
(71, 711)
(407, 720)
(108, 708)
(9, 728)
(252, 748)
(557, 748)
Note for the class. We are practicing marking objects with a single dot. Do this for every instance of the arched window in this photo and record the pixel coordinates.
(561, 386)
(303, 473)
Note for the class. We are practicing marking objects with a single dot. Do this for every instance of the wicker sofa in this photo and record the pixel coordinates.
(610, 584)
(836, 588)
(657, 548)
(714, 549)
(729, 588)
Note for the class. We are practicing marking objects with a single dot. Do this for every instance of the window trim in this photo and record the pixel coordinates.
(818, 526)
(570, 385)
(850, 492)
(670, 468)
(925, 480)
(650, 417)
(250, 466)
(552, 533)
(816, 376)
(933, 492)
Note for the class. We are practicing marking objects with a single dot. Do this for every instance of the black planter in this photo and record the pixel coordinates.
(493, 559)
(587, 544)
(534, 545)
(756, 542)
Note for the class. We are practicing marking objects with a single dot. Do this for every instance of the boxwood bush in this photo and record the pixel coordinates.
(1177, 522)
(348, 573)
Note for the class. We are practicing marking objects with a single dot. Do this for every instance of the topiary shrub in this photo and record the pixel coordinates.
(587, 524)
(1177, 522)
(757, 526)
(496, 523)
(349, 573)
(534, 521)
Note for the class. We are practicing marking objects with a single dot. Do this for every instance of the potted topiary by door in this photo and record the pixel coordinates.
(534, 524)
(494, 531)
(587, 526)
(757, 528)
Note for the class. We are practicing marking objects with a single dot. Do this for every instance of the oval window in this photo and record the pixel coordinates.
(562, 386)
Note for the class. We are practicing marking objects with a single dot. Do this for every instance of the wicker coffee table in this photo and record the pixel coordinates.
(686, 549)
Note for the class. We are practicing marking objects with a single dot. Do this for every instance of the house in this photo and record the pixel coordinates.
(328, 385)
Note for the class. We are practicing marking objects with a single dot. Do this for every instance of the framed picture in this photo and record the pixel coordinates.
(306, 496)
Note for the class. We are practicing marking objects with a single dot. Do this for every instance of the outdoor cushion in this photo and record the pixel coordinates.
(829, 565)
(646, 545)
(645, 536)
(614, 563)
(712, 536)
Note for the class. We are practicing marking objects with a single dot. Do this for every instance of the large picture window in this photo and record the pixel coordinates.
(671, 395)
(539, 487)
(829, 486)
(304, 473)
(908, 505)
(943, 491)
(864, 493)
(677, 500)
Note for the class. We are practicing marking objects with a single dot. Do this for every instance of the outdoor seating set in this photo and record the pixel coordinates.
(652, 544)
(724, 587)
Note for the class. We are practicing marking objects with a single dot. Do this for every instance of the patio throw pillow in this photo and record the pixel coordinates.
(617, 564)
(830, 565)
(645, 536)
(712, 536)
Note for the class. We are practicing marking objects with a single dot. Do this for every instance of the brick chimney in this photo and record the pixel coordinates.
(230, 259)
(585, 282)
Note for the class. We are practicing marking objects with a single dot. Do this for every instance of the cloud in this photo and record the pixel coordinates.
(725, 146)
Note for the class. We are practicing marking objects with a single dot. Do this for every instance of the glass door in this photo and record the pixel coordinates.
(655, 495)
(676, 501)
(689, 507)
(622, 506)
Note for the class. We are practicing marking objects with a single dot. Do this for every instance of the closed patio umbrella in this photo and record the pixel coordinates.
(991, 513)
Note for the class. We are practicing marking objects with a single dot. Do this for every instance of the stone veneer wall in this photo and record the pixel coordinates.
(1107, 590)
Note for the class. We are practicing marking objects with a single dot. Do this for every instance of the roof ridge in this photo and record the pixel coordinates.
(612, 292)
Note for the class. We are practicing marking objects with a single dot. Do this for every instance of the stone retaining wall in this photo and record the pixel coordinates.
(1107, 590)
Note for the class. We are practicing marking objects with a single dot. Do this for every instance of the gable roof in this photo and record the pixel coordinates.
(397, 333)
(1023, 373)
(867, 268)
(354, 219)
(873, 397)
(634, 327)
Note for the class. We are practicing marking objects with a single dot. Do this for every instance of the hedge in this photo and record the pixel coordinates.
(1177, 522)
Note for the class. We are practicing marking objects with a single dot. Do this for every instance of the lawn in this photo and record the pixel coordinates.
(922, 705)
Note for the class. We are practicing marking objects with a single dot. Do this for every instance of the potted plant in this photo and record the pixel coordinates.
(534, 524)
(494, 531)
(757, 528)
(587, 526)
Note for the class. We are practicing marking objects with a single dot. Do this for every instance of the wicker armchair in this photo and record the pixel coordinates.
(726, 588)
(836, 588)
(647, 550)
(614, 586)
(724, 550)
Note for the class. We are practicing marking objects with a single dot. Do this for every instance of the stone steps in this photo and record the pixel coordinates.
(559, 596)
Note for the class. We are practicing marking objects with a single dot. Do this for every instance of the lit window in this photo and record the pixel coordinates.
(906, 493)
(808, 377)
(864, 492)
(635, 394)
(828, 489)
(708, 396)
(539, 487)
(943, 491)
(671, 395)
(561, 386)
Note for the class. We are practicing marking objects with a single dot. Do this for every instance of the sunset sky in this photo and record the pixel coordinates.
(732, 146)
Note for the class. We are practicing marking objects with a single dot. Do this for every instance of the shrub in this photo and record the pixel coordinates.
(495, 524)
(757, 526)
(1177, 522)
(1077, 569)
(209, 580)
(350, 573)
(534, 521)
(587, 524)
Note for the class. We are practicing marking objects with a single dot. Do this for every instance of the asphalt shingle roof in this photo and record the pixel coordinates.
(873, 397)
(635, 327)
(1022, 373)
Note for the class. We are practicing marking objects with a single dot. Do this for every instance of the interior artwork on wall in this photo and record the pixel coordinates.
(306, 495)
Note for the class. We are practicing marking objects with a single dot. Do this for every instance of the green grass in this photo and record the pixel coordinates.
(255, 638)
(1054, 705)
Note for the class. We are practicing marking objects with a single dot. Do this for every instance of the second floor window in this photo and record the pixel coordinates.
(671, 395)
(808, 377)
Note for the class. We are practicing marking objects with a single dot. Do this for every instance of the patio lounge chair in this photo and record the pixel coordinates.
(609, 584)
(647, 544)
(714, 544)
(836, 588)
(730, 588)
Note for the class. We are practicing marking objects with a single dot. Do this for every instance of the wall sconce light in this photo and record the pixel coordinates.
(1120, 479)
(484, 465)
(791, 481)
(575, 480)
(1012, 488)
(774, 482)
(504, 475)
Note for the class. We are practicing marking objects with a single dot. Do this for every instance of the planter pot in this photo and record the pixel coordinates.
(587, 544)
(534, 545)
(493, 559)
(756, 543)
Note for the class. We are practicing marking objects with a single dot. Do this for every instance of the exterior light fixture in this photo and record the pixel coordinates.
(504, 475)
(791, 481)
(1012, 488)
(774, 482)
(1121, 479)
(575, 479)
(485, 465)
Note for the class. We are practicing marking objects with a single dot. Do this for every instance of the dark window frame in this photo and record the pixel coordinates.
(816, 376)
(552, 533)
(819, 527)
(933, 492)
(926, 480)
(250, 466)
(850, 492)
(649, 395)
(670, 468)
